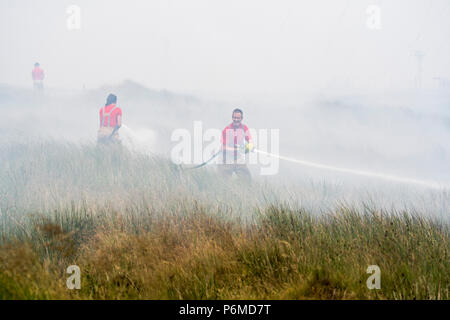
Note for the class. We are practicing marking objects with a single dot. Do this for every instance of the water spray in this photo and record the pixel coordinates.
(141, 140)
(428, 184)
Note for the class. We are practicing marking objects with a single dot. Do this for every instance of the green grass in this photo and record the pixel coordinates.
(141, 228)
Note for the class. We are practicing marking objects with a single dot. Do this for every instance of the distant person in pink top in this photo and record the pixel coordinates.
(38, 77)
(110, 122)
(236, 142)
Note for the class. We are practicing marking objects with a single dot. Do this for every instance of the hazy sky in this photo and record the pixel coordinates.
(232, 46)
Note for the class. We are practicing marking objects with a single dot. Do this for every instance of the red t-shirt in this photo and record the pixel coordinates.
(37, 73)
(111, 113)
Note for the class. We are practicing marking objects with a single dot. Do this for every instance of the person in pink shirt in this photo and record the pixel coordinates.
(110, 122)
(236, 138)
(38, 77)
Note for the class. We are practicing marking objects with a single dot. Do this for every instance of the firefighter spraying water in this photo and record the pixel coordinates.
(235, 138)
(237, 142)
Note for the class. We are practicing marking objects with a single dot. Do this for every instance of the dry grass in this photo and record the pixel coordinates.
(153, 232)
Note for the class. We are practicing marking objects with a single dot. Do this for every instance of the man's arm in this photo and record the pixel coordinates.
(248, 136)
(118, 125)
(119, 121)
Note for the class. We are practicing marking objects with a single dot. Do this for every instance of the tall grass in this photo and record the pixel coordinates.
(139, 227)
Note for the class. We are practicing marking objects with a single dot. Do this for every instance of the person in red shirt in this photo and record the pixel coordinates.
(110, 122)
(236, 138)
(38, 77)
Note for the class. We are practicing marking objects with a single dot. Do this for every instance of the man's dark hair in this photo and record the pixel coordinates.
(37, 64)
(111, 99)
(238, 110)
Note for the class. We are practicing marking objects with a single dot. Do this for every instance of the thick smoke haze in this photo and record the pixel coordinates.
(341, 91)
(232, 48)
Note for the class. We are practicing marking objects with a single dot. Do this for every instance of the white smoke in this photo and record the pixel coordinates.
(140, 140)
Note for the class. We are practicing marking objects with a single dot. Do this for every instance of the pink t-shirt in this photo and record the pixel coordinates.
(109, 114)
(37, 73)
(235, 136)
(232, 137)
